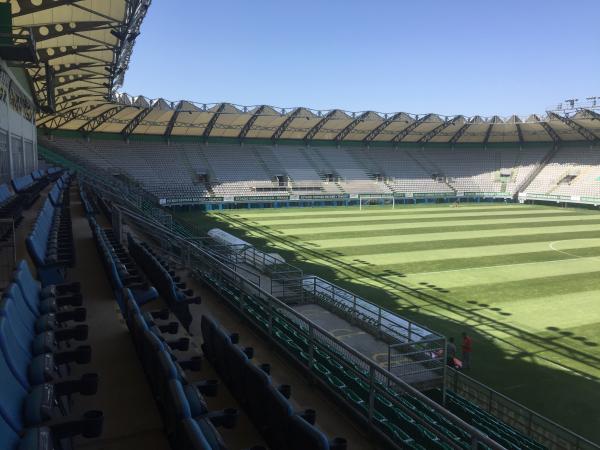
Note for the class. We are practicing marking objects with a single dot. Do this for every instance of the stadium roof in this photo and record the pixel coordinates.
(85, 43)
(138, 115)
(88, 44)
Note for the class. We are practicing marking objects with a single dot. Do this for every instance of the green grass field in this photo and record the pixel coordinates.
(523, 280)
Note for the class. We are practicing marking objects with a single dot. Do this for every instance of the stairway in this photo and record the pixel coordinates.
(188, 165)
(314, 164)
(268, 171)
(538, 168)
(206, 165)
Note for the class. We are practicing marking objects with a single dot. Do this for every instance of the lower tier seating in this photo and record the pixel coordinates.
(50, 243)
(37, 396)
(122, 271)
(170, 287)
(267, 406)
(496, 429)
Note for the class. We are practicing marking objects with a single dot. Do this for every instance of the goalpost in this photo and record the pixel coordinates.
(378, 200)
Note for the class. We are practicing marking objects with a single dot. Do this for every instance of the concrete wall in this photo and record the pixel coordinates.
(18, 137)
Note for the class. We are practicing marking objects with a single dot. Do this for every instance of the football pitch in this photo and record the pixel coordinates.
(523, 280)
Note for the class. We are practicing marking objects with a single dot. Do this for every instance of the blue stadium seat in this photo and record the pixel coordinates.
(37, 438)
(32, 369)
(121, 269)
(303, 435)
(50, 243)
(170, 288)
(50, 298)
(29, 338)
(33, 405)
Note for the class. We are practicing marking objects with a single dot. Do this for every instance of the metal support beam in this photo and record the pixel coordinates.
(520, 133)
(382, 126)
(488, 133)
(248, 125)
(58, 121)
(351, 126)
(587, 134)
(555, 137)
(133, 123)
(286, 123)
(320, 124)
(94, 123)
(30, 9)
(437, 130)
(592, 114)
(173, 120)
(409, 129)
(212, 121)
(454, 139)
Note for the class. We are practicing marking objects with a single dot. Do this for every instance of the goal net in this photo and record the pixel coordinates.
(366, 201)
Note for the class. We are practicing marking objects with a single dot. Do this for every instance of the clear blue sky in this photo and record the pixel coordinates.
(449, 57)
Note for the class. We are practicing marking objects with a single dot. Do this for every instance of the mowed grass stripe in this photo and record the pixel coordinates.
(516, 266)
(464, 264)
(542, 286)
(456, 239)
(365, 221)
(340, 212)
(429, 251)
(439, 227)
(569, 249)
(582, 307)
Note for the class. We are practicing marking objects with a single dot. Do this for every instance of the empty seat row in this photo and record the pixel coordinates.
(121, 269)
(37, 396)
(496, 429)
(50, 243)
(30, 186)
(189, 424)
(170, 287)
(267, 406)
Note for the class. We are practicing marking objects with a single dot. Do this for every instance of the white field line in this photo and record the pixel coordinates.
(551, 245)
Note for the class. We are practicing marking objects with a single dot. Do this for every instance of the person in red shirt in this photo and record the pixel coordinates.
(467, 348)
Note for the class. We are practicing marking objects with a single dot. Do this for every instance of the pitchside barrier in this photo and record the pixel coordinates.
(284, 280)
(414, 353)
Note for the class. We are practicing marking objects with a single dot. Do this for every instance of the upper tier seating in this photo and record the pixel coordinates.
(233, 170)
(580, 164)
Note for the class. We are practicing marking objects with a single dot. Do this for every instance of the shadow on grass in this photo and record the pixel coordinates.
(564, 396)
